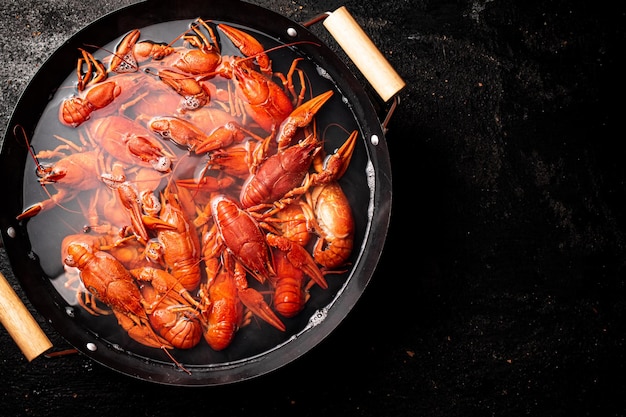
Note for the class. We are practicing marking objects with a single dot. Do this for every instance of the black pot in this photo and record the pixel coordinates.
(33, 245)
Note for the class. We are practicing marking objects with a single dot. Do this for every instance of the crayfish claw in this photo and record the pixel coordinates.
(123, 59)
(249, 46)
(254, 301)
(299, 258)
(155, 223)
(31, 211)
(337, 163)
(88, 77)
(300, 117)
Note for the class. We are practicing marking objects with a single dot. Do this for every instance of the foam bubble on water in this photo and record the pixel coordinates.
(318, 317)
(322, 72)
(371, 184)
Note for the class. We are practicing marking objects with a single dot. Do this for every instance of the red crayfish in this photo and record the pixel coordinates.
(208, 197)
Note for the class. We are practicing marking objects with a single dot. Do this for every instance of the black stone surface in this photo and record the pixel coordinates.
(502, 287)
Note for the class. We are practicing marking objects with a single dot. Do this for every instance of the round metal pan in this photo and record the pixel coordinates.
(33, 245)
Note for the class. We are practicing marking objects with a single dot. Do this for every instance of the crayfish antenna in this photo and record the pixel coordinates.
(177, 363)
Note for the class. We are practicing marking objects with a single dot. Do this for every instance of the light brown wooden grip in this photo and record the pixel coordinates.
(20, 324)
(362, 51)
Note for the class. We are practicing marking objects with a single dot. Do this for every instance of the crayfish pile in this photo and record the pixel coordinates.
(207, 196)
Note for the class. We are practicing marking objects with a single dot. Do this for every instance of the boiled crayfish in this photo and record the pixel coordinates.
(209, 199)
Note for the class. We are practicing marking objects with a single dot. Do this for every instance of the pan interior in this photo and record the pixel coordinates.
(46, 230)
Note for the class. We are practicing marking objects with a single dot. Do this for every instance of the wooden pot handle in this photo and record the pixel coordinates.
(365, 55)
(20, 324)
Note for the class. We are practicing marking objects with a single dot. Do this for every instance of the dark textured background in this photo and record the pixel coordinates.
(502, 287)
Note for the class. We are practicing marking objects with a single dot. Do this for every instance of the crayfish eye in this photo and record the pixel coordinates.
(54, 175)
(165, 134)
(69, 260)
(43, 171)
(162, 164)
(153, 251)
